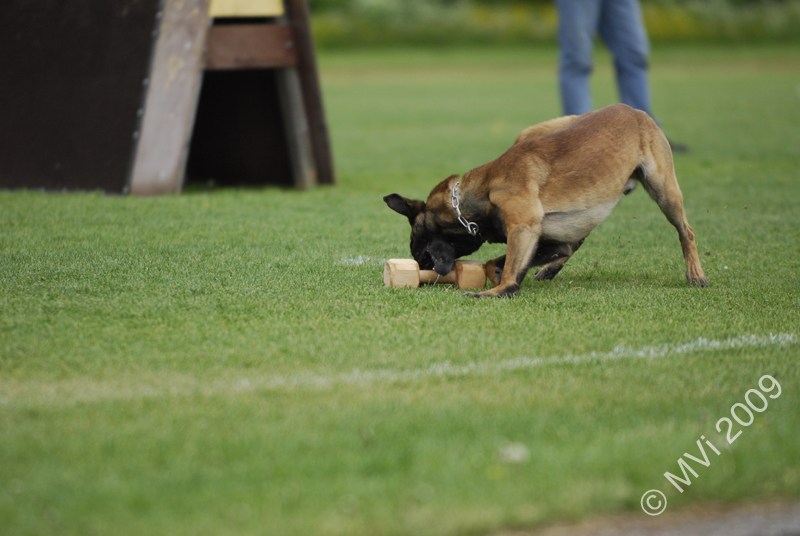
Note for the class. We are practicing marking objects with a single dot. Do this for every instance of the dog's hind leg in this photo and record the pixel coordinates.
(658, 178)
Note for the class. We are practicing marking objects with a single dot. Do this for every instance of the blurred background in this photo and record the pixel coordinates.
(443, 22)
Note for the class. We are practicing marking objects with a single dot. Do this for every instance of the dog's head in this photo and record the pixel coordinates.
(437, 237)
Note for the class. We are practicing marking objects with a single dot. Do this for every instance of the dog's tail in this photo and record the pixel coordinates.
(543, 129)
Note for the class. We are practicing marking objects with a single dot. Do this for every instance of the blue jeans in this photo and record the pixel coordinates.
(620, 25)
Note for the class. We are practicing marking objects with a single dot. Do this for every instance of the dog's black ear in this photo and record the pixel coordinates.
(407, 207)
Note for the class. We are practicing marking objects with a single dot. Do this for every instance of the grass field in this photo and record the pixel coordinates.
(229, 362)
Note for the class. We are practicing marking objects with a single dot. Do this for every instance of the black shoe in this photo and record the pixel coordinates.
(678, 147)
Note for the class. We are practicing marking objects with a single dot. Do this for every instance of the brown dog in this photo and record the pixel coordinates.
(545, 195)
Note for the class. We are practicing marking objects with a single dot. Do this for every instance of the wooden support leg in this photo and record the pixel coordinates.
(172, 95)
(296, 127)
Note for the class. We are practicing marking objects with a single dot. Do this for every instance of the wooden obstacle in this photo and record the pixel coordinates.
(144, 96)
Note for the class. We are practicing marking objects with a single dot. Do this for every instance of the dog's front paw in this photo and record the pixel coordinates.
(493, 272)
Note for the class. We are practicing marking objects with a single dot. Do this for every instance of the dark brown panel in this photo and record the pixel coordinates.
(297, 10)
(251, 46)
(71, 84)
(238, 137)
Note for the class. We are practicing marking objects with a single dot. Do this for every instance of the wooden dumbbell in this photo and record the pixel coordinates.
(406, 273)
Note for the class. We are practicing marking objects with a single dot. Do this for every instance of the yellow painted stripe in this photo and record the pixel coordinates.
(245, 8)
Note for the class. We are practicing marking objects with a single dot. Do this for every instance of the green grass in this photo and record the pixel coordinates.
(228, 361)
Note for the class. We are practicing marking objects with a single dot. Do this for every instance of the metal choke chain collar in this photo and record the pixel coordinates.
(472, 227)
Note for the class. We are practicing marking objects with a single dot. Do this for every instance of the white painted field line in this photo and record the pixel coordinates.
(358, 261)
(158, 384)
(447, 368)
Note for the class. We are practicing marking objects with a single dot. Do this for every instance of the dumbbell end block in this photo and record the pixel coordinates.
(470, 274)
(401, 273)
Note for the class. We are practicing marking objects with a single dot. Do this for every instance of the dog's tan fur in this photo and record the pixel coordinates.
(556, 184)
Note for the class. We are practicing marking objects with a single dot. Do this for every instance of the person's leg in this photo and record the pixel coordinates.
(577, 26)
(622, 28)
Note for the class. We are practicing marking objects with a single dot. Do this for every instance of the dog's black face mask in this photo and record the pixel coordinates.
(432, 247)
